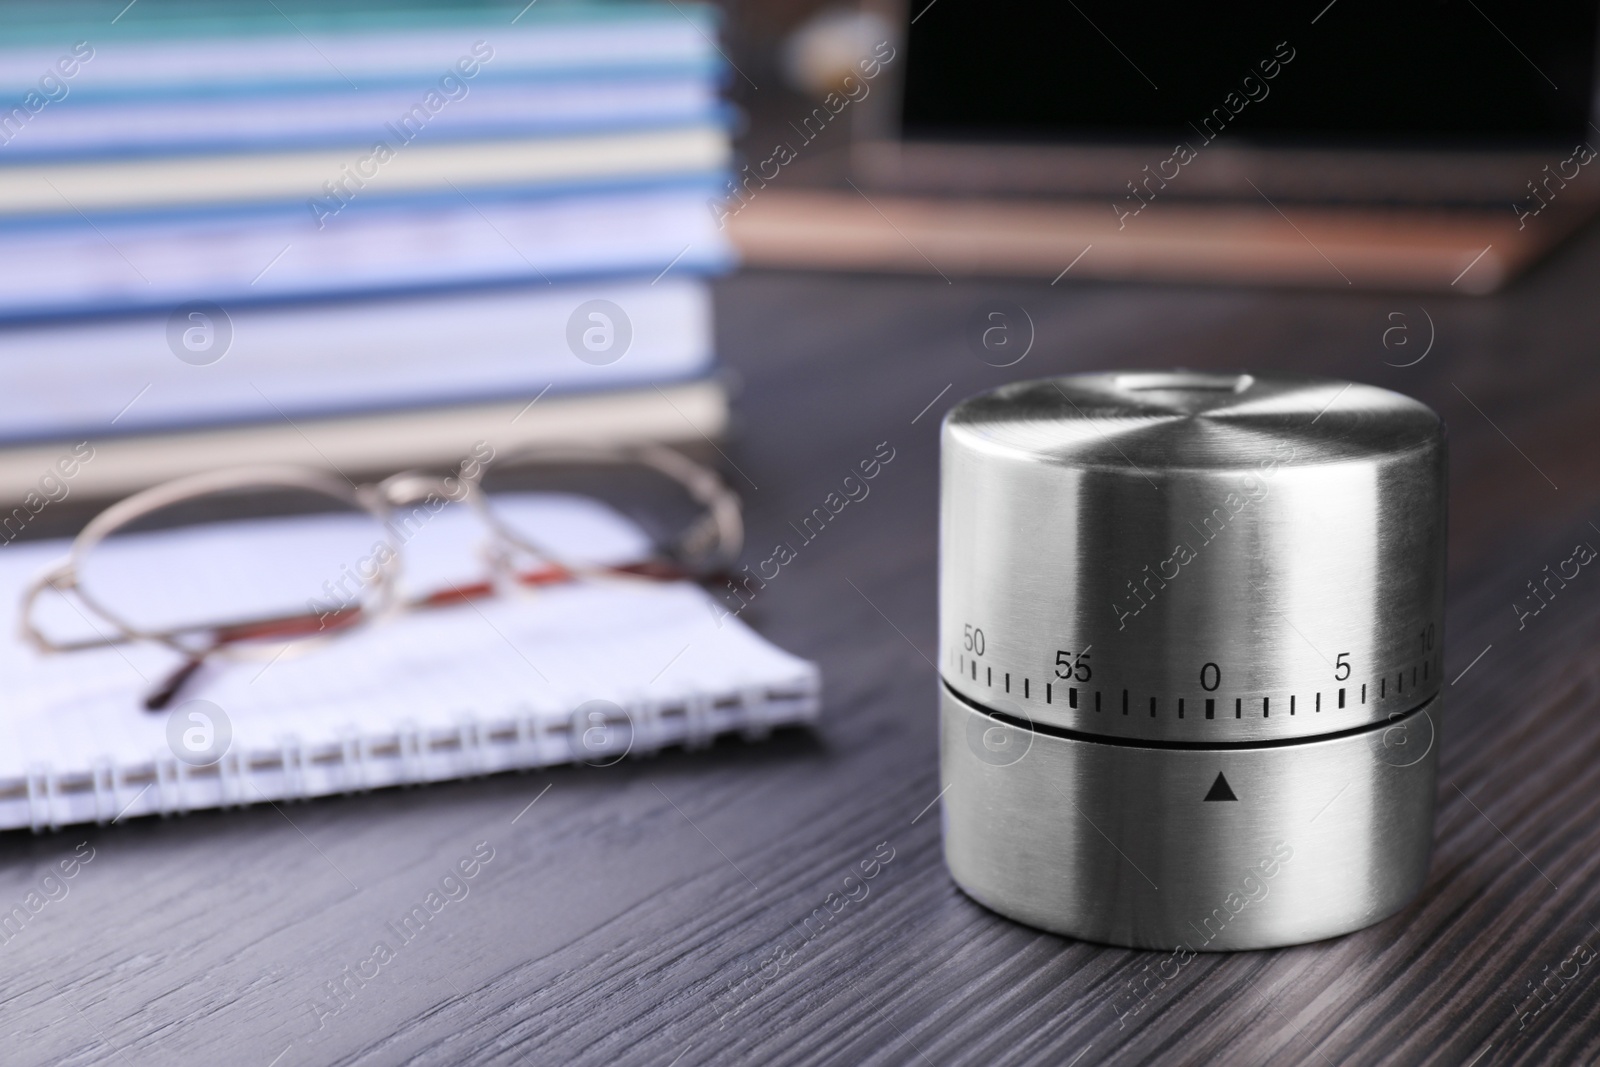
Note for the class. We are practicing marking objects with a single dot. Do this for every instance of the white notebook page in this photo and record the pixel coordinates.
(496, 684)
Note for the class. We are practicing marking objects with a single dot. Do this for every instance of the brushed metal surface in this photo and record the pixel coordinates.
(1116, 842)
(1193, 557)
(1191, 649)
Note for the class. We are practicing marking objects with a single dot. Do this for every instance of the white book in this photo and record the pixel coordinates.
(279, 364)
(298, 177)
(74, 266)
(590, 672)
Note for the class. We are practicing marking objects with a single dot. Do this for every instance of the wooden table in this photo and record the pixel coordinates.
(655, 912)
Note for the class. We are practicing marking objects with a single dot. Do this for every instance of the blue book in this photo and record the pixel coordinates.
(284, 252)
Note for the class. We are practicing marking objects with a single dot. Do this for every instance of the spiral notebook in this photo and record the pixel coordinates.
(590, 672)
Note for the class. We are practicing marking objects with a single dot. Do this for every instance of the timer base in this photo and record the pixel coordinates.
(1169, 847)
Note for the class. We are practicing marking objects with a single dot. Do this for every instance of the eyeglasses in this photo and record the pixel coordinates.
(516, 558)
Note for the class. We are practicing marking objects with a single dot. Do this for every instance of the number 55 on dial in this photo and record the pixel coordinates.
(1073, 667)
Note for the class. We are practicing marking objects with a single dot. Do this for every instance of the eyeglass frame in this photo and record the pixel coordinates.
(721, 524)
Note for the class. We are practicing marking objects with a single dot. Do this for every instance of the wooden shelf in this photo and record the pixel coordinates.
(1465, 251)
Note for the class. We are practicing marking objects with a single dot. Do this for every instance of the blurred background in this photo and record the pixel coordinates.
(368, 236)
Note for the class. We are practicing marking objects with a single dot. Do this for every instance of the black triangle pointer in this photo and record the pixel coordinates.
(1220, 790)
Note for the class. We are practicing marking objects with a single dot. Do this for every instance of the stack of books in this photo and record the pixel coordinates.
(353, 235)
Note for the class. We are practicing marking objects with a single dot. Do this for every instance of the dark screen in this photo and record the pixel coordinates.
(1355, 71)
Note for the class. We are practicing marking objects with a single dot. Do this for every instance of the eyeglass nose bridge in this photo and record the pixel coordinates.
(415, 487)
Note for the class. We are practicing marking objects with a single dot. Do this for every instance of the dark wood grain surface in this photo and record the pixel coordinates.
(654, 912)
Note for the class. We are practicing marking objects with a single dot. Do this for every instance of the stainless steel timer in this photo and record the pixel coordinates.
(1190, 647)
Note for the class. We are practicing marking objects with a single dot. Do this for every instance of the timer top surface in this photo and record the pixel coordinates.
(1154, 421)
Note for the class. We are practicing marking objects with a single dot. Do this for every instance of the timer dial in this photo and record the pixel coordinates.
(1193, 557)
